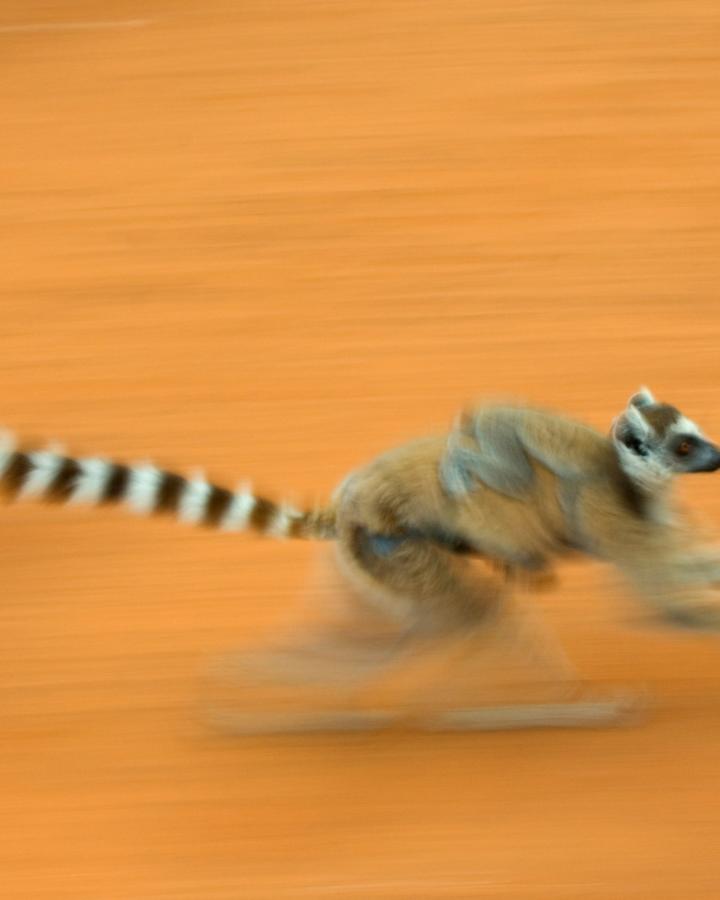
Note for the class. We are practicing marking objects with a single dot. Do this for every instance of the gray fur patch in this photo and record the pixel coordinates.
(498, 461)
(457, 468)
(384, 546)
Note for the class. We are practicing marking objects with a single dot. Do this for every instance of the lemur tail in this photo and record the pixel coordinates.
(50, 475)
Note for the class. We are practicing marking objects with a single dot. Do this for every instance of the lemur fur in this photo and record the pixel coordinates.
(515, 485)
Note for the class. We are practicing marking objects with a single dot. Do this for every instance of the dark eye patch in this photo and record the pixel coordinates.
(635, 444)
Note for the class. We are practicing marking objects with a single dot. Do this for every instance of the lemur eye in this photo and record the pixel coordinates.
(684, 448)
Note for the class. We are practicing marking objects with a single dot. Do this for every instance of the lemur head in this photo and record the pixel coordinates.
(655, 441)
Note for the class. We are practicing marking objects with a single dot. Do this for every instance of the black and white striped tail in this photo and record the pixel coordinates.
(145, 489)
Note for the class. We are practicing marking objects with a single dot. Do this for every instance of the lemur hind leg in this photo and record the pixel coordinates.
(480, 659)
(331, 674)
(425, 640)
(314, 676)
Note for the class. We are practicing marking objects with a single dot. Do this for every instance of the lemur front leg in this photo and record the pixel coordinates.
(699, 552)
(665, 562)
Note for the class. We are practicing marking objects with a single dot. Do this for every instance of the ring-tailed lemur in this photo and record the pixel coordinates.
(515, 485)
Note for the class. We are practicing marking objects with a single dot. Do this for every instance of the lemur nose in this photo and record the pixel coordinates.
(714, 463)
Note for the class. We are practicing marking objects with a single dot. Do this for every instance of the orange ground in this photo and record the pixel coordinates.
(273, 238)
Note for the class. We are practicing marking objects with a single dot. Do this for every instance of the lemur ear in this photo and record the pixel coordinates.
(636, 422)
(642, 398)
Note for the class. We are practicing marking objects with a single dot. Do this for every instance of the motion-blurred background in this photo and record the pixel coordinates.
(272, 238)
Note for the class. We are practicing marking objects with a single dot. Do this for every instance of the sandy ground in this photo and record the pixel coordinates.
(273, 238)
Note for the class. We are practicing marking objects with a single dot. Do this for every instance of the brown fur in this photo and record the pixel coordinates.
(578, 499)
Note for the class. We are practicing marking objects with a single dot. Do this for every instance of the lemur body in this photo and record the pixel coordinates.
(516, 486)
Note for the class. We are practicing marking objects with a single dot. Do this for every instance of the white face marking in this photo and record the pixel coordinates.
(194, 500)
(238, 513)
(91, 482)
(143, 487)
(46, 465)
(686, 426)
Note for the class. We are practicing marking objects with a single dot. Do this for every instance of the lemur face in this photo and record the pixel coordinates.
(655, 441)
